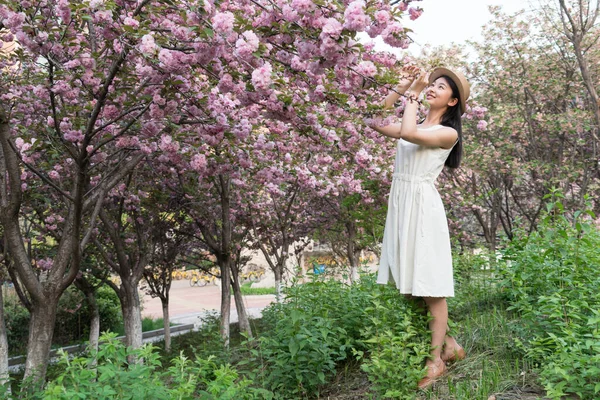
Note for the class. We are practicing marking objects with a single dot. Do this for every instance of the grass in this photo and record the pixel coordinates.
(493, 369)
(247, 290)
(148, 324)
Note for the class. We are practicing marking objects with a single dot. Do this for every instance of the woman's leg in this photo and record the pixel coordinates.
(438, 308)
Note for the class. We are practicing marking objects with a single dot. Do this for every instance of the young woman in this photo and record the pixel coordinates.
(416, 253)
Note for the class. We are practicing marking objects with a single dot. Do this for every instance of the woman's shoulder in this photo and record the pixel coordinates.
(435, 127)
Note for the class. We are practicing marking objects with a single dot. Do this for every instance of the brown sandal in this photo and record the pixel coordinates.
(453, 354)
(434, 372)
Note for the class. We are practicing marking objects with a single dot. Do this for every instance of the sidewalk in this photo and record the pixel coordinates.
(187, 305)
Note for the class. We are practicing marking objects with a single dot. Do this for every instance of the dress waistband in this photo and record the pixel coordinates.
(413, 178)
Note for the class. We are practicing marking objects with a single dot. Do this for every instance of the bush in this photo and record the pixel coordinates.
(72, 318)
(398, 344)
(323, 323)
(16, 318)
(552, 282)
(108, 375)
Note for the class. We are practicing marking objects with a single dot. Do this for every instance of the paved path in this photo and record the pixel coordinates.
(187, 304)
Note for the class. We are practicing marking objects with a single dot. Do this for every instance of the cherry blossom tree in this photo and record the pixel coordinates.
(77, 113)
(95, 87)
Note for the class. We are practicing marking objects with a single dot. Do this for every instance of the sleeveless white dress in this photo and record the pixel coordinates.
(416, 252)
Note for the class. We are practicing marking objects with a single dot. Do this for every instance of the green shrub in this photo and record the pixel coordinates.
(16, 318)
(397, 344)
(324, 322)
(72, 318)
(108, 375)
(552, 282)
(298, 353)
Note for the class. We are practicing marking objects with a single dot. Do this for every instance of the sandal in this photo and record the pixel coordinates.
(453, 353)
(434, 372)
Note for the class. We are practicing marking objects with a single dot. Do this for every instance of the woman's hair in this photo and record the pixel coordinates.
(452, 119)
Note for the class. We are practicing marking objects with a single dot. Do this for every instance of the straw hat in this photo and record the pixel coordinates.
(464, 88)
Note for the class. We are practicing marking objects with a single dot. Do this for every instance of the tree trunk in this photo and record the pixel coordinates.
(95, 321)
(239, 304)
(225, 301)
(132, 316)
(166, 324)
(278, 272)
(351, 250)
(41, 329)
(4, 375)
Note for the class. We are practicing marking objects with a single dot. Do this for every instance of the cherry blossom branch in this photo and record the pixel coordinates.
(45, 179)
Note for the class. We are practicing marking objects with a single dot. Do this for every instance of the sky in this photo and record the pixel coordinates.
(447, 21)
(452, 21)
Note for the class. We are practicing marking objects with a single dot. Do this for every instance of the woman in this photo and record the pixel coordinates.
(416, 251)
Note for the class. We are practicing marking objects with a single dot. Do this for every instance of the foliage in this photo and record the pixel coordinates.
(397, 344)
(552, 282)
(325, 322)
(204, 343)
(73, 318)
(107, 374)
(16, 318)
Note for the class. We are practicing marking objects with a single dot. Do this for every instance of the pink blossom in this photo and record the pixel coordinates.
(134, 23)
(415, 13)
(303, 6)
(147, 45)
(73, 136)
(198, 162)
(53, 174)
(14, 20)
(355, 17)
(382, 17)
(482, 125)
(289, 14)
(103, 16)
(223, 22)
(95, 4)
(246, 45)
(333, 28)
(479, 111)
(261, 77)
(394, 35)
(367, 68)
(64, 11)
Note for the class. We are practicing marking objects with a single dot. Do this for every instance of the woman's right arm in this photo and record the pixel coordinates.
(407, 76)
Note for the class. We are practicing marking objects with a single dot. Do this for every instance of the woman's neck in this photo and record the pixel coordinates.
(434, 117)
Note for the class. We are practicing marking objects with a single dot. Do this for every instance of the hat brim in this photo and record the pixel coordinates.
(460, 81)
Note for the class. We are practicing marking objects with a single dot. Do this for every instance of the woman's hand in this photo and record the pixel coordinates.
(419, 84)
(408, 73)
(407, 76)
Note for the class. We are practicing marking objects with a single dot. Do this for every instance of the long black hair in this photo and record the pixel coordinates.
(452, 119)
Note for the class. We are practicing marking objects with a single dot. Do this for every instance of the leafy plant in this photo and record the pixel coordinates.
(552, 282)
(325, 322)
(107, 375)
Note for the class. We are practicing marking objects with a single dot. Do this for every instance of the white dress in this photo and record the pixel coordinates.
(416, 251)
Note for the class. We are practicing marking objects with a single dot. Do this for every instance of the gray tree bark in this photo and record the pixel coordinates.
(132, 313)
(166, 325)
(4, 374)
(239, 304)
